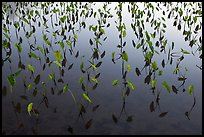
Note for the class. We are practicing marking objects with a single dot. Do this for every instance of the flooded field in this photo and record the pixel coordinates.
(101, 68)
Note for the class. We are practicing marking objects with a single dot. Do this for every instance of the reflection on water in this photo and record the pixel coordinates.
(101, 68)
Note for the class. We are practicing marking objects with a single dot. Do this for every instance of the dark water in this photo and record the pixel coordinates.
(96, 106)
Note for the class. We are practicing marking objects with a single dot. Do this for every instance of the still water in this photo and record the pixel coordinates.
(101, 68)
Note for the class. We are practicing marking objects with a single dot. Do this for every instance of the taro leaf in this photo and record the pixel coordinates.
(98, 64)
(130, 118)
(94, 79)
(70, 129)
(65, 88)
(88, 124)
(184, 51)
(29, 108)
(128, 67)
(147, 79)
(163, 114)
(81, 79)
(4, 91)
(131, 85)
(190, 89)
(153, 83)
(58, 64)
(125, 56)
(11, 80)
(174, 89)
(86, 97)
(137, 71)
(165, 84)
(37, 79)
(163, 63)
(24, 97)
(97, 75)
(114, 118)
(151, 107)
(58, 55)
(103, 54)
(114, 82)
(70, 66)
(95, 107)
(31, 68)
(154, 65)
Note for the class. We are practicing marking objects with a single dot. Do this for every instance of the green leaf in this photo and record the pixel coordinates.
(154, 65)
(128, 67)
(11, 80)
(102, 31)
(147, 36)
(131, 85)
(31, 68)
(81, 79)
(86, 97)
(33, 55)
(138, 46)
(58, 64)
(69, 44)
(125, 56)
(94, 28)
(153, 83)
(190, 89)
(41, 50)
(37, 79)
(51, 76)
(65, 88)
(160, 72)
(62, 44)
(114, 82)
(17, 73)
(94, 79)
(75, 36)
(58, 55)
(150, 46)
(30, 86)
(93, 66)
(25, 20)
(29, 108)
(184, 51)
(124, 33)
(166, 86)
(18, 47)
